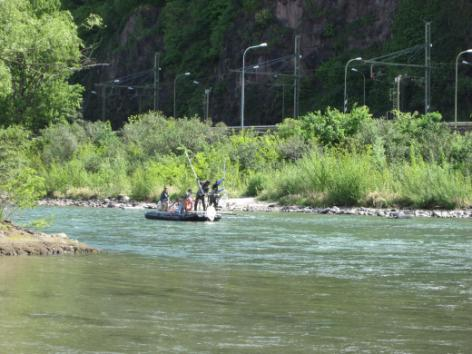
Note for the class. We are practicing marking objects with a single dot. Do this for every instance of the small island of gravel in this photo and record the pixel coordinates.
(18, 241)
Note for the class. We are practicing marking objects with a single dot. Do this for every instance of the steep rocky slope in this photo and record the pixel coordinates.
(208, 39)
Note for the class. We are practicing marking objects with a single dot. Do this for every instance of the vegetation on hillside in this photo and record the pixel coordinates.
(207, 39)
(324, 158)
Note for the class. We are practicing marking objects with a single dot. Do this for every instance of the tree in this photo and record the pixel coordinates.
(39, 51)
(20, 184)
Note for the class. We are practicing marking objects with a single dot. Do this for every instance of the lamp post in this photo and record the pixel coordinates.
(207, 103)
(363, 76)
(457, 76)
(345, 81)
(195, 82)
(157, 80)
(175, 81)
(242, 78)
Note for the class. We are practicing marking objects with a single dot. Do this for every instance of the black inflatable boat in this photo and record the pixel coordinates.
(175, 216)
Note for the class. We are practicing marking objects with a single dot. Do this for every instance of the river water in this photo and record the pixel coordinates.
(250, 283)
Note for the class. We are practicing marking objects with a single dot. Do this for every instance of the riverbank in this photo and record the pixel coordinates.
(254, 205)
(18, 241)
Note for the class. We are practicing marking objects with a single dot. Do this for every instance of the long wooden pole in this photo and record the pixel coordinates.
(193, 170)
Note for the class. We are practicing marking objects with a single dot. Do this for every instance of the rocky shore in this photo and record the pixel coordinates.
(17, 241)
(254, 205)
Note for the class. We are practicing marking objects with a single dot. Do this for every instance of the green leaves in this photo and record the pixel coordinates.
(333, 127)
(20, 183)
(39, 49)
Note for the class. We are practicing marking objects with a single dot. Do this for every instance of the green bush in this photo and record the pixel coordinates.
(333, 127)
(255, 184)
(151, 134)
(20, 183)
(59, 142)
(292, 148)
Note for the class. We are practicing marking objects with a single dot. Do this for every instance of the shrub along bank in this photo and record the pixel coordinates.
(321, 159)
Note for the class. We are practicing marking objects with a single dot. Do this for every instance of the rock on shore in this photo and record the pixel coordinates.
(17, 241)
(254, 205)
(250, 204)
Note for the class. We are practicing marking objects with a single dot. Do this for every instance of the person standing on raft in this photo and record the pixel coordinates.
(202, 192)
(164, 200)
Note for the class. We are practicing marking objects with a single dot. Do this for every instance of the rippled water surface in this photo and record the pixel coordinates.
(251, 283)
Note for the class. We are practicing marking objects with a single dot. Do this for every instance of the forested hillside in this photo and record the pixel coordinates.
(94, 59)
(207, 39)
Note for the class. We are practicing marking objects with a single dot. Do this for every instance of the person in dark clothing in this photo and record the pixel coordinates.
(214, 195)
(202, 192)
(164, 199)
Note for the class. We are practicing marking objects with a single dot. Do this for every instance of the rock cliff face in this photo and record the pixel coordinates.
(323, 23)
(327, 28)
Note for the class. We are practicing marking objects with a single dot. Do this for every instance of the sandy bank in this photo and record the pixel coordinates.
(17, 241)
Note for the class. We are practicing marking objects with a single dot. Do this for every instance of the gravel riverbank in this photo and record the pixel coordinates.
(254, 205)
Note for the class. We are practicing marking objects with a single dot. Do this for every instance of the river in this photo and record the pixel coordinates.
(250, 283)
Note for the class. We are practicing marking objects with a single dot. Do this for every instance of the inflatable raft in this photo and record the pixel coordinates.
(209, 215)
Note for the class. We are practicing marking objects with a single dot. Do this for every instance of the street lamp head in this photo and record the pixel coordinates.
(263, 44)
(196, 82)
(468, 51)
(255, 67)
(187, 73)
(354, 69)
(130, 88)
(116, 81)
(358, 58)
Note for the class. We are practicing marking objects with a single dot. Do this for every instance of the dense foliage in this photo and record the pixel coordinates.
(324, 158)
(39, 50)
(20, 183)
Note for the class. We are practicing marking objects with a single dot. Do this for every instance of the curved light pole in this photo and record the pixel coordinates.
(242, 79)
(175, 81)
(345, 81)
(457, 76)
(363, 75)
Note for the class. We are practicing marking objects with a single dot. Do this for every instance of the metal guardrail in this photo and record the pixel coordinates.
(461, 126)
(257, 128)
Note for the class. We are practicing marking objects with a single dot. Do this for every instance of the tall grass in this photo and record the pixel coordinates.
(347, 179)
(430, 185)
(329, 178)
